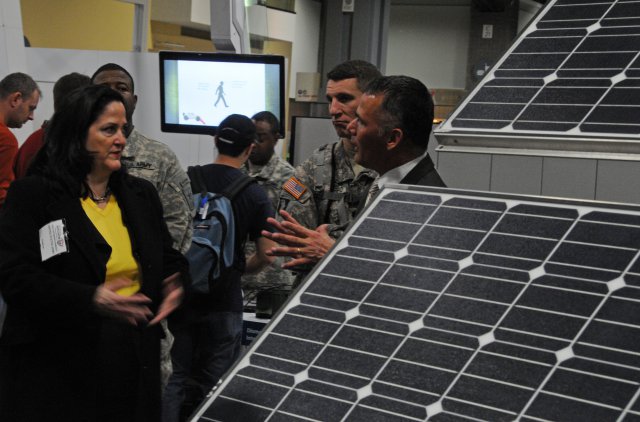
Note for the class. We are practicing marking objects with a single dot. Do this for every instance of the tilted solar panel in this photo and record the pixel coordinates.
(449, 305)
(573, 72)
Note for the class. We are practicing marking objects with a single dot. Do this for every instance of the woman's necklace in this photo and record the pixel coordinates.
(100, 199)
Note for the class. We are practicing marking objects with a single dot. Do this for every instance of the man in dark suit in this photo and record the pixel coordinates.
(391, 130)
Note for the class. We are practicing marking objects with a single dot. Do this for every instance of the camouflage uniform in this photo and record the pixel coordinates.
(271, 177)
(333, 192)
(155, 162)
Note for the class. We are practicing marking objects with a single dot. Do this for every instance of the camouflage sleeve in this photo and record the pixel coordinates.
(303, 208)
(337, 230)
(177, 204)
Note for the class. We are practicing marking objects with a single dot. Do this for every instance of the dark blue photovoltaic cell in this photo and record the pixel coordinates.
(568, 82)
(584, 46)
(488, 111)
(501, 308)
(604, 60)
(576, 12)
(505, 95)
(570, 95)
(628, 96)
(557, 113)
(548, 45)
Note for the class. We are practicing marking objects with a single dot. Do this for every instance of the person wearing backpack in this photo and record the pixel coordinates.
(210, 323)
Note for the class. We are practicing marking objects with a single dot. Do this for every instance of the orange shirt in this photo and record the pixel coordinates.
(8, 152)
(27, 152)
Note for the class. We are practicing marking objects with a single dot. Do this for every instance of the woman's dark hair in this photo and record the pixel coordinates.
(64, 159)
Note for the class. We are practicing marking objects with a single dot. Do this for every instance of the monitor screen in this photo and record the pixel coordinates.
(198, 90)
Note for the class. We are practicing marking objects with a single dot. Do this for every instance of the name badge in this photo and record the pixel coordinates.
(53, 239)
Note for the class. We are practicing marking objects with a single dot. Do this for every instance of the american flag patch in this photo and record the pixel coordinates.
(294, 187)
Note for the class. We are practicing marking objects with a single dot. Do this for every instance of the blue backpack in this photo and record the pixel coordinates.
(213, 243)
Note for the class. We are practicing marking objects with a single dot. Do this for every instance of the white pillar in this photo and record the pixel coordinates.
(12, 50)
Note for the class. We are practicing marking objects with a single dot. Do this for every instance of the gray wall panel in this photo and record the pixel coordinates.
(516, 174)
(569, 177)
(464, 170)
(310, 133)
(618, 181)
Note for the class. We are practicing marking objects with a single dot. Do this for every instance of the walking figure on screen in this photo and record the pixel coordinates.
(220, 93)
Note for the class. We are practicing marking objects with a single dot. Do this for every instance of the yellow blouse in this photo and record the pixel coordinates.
(121, 263)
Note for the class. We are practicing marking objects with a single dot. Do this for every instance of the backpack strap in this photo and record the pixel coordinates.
(197, 181)
(231, 192)
(238, 186)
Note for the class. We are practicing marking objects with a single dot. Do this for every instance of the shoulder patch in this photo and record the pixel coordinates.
(294, 187)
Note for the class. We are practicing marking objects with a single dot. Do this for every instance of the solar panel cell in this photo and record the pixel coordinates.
(607, 234)
(573, 12)
(551, 407)
(554, 113)
(533, 226)
(486, 289)
(505, 95)
(534, 61)
(563, 301)
(508, 369)
(626, 96)
(595, 389)
(491, 394)
(614, 259)
(556, 95)
(619, 337)
(418, 377)
(624, 10)
(313, 406)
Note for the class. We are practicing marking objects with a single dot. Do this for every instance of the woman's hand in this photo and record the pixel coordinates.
(132, 309)
(173, 293)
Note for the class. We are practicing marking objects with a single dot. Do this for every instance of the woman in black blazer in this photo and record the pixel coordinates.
(81, 336)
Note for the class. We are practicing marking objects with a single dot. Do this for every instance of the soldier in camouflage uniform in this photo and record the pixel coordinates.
(271, 172)
(329, 186)
(155, 162)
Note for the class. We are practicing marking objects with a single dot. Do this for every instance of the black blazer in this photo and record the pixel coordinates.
(423, 174)
(49, 345)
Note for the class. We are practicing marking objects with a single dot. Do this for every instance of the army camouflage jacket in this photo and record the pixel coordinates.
(155, 162)
(271, 177)
(331, 192)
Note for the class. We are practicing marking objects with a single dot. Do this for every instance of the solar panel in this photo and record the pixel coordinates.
(449, 305)
(573, 72)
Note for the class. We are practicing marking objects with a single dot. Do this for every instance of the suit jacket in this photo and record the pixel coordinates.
(423, 174)
(49, 346)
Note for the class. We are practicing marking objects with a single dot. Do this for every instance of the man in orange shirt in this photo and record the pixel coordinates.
(28, 150)
(19, 96)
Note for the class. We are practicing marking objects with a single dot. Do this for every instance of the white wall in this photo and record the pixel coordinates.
(304, 54)
(302, 29)
(429, 43)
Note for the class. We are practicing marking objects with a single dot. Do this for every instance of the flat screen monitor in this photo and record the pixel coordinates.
(198, 90)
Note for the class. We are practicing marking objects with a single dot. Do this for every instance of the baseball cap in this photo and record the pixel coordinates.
(238, 130)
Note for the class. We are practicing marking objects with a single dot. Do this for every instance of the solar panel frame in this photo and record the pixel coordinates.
(349, 346)
(572, 87)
